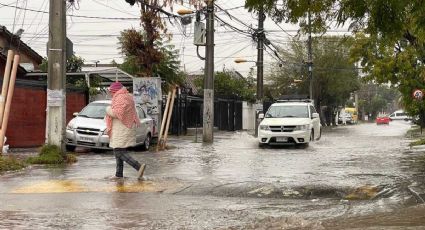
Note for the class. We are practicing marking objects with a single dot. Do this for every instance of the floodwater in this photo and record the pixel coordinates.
(360, 176)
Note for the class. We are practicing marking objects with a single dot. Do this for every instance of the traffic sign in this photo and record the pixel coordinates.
(418, 94)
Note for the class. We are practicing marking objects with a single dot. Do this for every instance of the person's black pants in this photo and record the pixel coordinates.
(121, 155)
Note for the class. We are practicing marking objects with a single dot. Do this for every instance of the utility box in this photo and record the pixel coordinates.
(199, 34)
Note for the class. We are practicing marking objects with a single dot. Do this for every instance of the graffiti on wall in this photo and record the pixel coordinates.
(147, 92)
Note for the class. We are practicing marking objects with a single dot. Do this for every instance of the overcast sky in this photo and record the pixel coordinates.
(93, 27)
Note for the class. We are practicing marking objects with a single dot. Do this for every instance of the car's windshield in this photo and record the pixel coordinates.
(300, 111)
(94, 110)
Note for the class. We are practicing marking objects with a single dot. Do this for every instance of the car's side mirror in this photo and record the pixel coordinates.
(315, 115)
(75, 114)
(261, 116)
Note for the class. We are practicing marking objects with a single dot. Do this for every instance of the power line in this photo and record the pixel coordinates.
(71, 15)
(283, 29)
(110, 7)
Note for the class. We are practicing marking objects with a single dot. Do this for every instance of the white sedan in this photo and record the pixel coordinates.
(88, 127)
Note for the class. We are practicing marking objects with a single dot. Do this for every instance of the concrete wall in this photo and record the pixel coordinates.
(248, 116)
(27, 121)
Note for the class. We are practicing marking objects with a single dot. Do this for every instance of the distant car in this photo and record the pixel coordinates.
(348, 118)
(399, 115)
(380, 120)
(87, 129)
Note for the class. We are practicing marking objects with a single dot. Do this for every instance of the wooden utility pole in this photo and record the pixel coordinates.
(9, 89)
(5, 85)
(208, 114)
(56, 91)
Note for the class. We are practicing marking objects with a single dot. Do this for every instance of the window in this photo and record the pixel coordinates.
(312, 110)
(94, 110)
(300, 111)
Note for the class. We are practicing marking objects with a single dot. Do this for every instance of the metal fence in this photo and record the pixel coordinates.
(188, 113)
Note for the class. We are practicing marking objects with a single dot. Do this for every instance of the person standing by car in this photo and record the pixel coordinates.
(121, 121)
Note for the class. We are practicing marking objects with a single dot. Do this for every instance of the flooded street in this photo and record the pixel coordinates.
(353, 177)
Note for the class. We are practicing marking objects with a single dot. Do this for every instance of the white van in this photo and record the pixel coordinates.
(399, 115)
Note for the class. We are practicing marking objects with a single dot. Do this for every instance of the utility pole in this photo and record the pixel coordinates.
(260, 65)
(56, 95)
(208, 114)
(260, 48)
(310, 56)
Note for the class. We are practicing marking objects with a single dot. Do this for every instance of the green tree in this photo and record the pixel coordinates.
(142, 46)
(335, 77)
(168, 67)
(230, 84)
(375, 98)
(73, 64)
(390, 36)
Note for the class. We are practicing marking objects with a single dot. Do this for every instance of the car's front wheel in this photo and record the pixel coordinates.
(320, 134)
(70, 148)
(312, 135)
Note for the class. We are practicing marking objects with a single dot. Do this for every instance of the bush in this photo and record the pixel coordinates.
(10, 164)
(418, 142)
(51, 154)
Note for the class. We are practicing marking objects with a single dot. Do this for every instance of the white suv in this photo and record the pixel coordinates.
(289, 122)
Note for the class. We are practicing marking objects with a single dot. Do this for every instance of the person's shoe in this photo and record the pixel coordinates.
(141, 171)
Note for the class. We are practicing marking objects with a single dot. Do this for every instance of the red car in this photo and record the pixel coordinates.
(383, 120)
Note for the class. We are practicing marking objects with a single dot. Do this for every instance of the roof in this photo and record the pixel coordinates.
(291, 103)
(17, 42)
(109, 74)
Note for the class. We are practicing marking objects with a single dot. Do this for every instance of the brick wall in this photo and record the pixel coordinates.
(27, 121)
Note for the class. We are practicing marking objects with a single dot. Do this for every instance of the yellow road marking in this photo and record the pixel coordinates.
(74, 186)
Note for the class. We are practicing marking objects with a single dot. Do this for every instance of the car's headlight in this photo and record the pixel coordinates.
(264, 127)
(70, 126)
(302, 127)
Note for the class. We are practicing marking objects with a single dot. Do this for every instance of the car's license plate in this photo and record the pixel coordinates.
(87, 139)
(281, 139)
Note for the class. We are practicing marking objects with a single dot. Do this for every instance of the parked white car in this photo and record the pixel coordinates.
(289, 122)
(87, 128)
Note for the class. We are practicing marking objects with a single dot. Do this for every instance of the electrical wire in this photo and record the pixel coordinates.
(110, 7)
(72, 15)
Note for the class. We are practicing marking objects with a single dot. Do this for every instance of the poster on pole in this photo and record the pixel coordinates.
(55, 98)
(147, 93)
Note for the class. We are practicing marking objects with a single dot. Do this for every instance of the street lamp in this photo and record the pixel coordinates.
(259, 76)
(184, 11)
(259, 105)
(241, 60)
